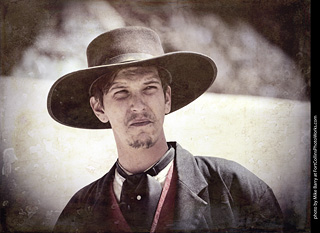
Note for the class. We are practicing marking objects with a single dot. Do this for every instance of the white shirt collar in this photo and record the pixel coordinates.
(118, 179)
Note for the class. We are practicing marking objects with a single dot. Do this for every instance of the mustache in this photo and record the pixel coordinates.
(144, 115)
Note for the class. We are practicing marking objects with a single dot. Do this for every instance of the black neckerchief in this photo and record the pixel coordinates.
(141, 193)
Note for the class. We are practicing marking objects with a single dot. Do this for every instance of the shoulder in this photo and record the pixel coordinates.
(243, 186)
(230, 172)
(211, 167)
(222, 166)
(91, 192)
(79, 212)
(215, 170)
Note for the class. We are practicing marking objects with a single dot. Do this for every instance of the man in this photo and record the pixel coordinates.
(155, 185)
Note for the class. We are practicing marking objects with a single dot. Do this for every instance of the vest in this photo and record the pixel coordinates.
(119, 224)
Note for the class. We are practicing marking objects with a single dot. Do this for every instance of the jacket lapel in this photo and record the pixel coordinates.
(192, 209)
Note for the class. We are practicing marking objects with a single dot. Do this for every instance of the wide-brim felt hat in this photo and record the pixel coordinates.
(191, 73)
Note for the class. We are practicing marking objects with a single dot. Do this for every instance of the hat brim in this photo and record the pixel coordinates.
(68, 99)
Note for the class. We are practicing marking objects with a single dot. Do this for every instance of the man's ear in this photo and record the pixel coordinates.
(168, 100)
(98, 110)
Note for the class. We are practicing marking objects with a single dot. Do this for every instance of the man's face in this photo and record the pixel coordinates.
(135, 106)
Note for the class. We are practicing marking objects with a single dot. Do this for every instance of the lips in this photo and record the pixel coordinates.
(140, 122)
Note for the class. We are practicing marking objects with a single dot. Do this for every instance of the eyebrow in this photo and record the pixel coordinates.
(154, 81)
(117, 85)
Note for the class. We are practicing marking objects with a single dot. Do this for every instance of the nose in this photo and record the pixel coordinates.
(137, 103)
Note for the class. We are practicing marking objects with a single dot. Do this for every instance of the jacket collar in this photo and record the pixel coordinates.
(192, 188)
(188, 171)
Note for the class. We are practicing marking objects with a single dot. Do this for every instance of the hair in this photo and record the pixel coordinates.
(102, 84)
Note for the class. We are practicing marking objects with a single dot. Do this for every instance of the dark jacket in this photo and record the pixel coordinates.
(212, 195)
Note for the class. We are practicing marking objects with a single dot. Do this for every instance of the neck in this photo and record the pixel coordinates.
(138, 160)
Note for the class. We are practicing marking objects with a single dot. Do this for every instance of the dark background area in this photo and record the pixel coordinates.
(284, 23)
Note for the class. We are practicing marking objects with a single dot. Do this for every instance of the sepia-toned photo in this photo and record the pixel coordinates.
(157, 116)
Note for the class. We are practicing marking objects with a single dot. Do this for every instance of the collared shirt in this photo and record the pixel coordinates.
(118, 179)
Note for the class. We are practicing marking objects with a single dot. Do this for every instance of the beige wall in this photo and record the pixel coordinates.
(44, 163)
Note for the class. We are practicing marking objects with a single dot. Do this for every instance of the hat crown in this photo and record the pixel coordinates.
(124, 45)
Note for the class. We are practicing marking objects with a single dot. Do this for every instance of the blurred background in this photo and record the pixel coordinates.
(257, 112)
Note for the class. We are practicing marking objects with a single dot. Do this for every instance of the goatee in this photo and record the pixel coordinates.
(139, 144)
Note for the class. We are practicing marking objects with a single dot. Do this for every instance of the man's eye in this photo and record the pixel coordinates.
(151, 89)
(121, 94)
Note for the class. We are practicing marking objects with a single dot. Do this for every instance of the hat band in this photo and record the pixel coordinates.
(128, 57)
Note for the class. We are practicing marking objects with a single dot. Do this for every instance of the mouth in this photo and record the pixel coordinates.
(140, 123)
